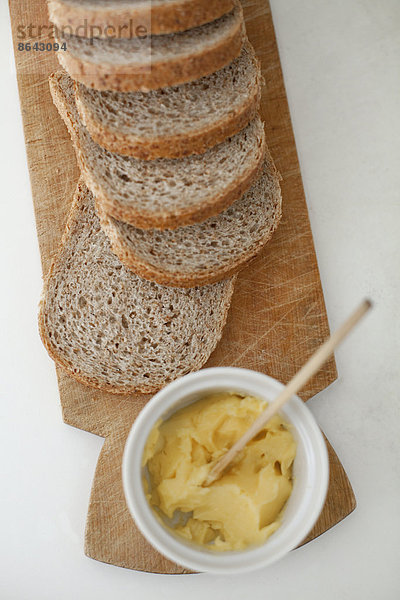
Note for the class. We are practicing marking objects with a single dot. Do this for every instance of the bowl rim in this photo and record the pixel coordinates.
(173, 397)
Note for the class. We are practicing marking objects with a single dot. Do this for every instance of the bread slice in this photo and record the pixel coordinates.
(177, 121)
(153, 62)
(114, 331)
(163, 193)
(204, 253)
(127, 17)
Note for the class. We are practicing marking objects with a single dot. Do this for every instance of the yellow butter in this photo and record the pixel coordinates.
(242, 508)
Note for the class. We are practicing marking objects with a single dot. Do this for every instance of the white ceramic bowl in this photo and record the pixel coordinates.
(310, 471)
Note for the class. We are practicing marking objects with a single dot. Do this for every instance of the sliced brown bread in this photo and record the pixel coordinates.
(127, 17)
(162, 193)
(177, 121)
(204, 253)
(153, 62)
(114, 331)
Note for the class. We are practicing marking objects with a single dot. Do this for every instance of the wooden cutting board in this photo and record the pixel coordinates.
(276, 320)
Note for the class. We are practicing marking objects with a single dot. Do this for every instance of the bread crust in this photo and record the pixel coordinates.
(162, 74)
(174, 145)
(178, 16)
(160, 220)
(60, 360)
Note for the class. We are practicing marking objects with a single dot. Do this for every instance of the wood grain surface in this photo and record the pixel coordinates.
(276, 320)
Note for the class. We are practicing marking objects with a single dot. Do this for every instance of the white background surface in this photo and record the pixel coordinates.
(341, 65)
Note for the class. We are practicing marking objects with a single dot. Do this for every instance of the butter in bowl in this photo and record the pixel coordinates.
(262, 507)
